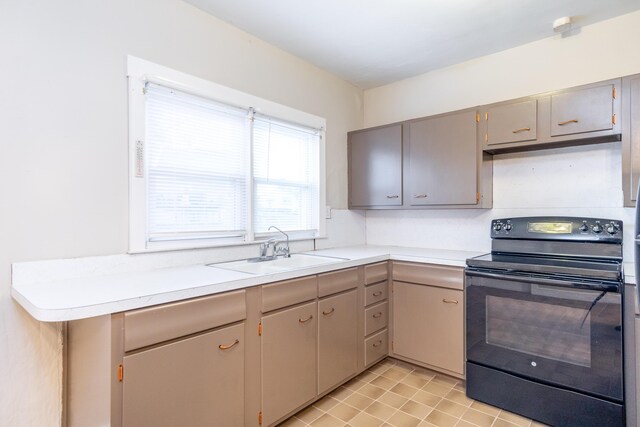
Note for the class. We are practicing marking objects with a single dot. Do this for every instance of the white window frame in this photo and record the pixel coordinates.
(139, 72)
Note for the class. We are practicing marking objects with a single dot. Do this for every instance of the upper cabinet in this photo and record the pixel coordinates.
(581, 111)
(581, 115)
(432, 162)
(441, 158)
(375, 167)
(445, 161)
(630, 138)
(511, 122)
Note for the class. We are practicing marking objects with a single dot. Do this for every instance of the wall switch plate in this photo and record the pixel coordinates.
(328, 212)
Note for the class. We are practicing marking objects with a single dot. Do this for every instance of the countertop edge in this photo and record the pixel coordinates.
(194, 290)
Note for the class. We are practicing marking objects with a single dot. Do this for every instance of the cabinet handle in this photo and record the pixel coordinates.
(419, 196)
(394, 196)
(378, 314)
(228, 346)
(567, 122)
(377, 294)
(306, 320)
(377, 343)
(326, 313)
(521, 130)
(449, 301)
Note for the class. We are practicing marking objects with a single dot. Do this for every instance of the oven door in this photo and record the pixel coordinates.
(552, 331)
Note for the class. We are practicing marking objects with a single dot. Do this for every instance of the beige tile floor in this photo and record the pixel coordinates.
(393, 393)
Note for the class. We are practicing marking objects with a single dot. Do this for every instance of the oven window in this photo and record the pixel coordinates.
(553, 331)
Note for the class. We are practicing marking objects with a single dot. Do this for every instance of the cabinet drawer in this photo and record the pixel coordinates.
(337, 281)
(376, 317)
(582, 110)
(375, 293)
(512, 122)
(429, 274)
(376, 347)
(290, 292)
(152, 325)
(375, 273)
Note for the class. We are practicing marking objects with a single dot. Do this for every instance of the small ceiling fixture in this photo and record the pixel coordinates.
(562, 25)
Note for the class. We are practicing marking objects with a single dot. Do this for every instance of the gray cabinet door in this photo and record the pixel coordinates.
(512, 122)
(337, 339)
(289, 367)
(375, 167)
(634, 135)
(197, 381)
(582, 110)
(442, 156)
(434, 314)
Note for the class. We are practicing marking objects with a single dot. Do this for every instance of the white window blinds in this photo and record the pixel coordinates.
(285, 176)
(197, 167)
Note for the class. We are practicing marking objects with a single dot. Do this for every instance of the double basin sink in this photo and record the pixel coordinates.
(277, 265)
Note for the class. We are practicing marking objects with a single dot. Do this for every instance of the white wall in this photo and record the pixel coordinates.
(63, 136)
(580, 181)
(597, 52)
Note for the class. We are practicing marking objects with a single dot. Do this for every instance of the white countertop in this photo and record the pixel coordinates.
(63, 299)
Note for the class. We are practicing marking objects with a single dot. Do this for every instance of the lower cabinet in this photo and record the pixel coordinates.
(428, 325)
(289, 367)
(337, 339)
(255, 356)
(197, 381)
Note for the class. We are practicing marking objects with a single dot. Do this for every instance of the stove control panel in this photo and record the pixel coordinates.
(557, 228)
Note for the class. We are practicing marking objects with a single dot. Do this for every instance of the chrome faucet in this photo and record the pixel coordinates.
(279, 250)
(276, 250)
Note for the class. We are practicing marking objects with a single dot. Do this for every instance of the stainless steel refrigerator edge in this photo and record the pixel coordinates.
(632, 335)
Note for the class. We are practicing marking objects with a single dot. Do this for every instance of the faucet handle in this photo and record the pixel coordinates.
(264, 247)
(281, 250)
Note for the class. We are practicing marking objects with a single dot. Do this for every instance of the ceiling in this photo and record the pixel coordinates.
(374, 42)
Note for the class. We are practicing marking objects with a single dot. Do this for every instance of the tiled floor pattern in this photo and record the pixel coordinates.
(393, 393)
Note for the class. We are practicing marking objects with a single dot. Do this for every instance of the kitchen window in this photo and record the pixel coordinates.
(211, 166)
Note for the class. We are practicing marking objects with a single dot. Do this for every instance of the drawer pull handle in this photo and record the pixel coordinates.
(378, 314)
(521, 130)
(377, 294)
(450, 301)
(326, 313)
(377, 343)
(567, 122)
(419, 196)
(306, 320)
(394, 196)
(228, 346)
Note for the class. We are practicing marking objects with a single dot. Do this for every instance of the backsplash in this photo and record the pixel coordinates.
(574, 181)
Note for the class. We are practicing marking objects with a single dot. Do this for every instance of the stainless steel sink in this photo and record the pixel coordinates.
(279, 265)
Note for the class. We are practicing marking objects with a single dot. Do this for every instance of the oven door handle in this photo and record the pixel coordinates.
(544, 281)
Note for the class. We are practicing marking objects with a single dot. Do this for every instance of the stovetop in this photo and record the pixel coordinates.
(583, 249)
(606, 269)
